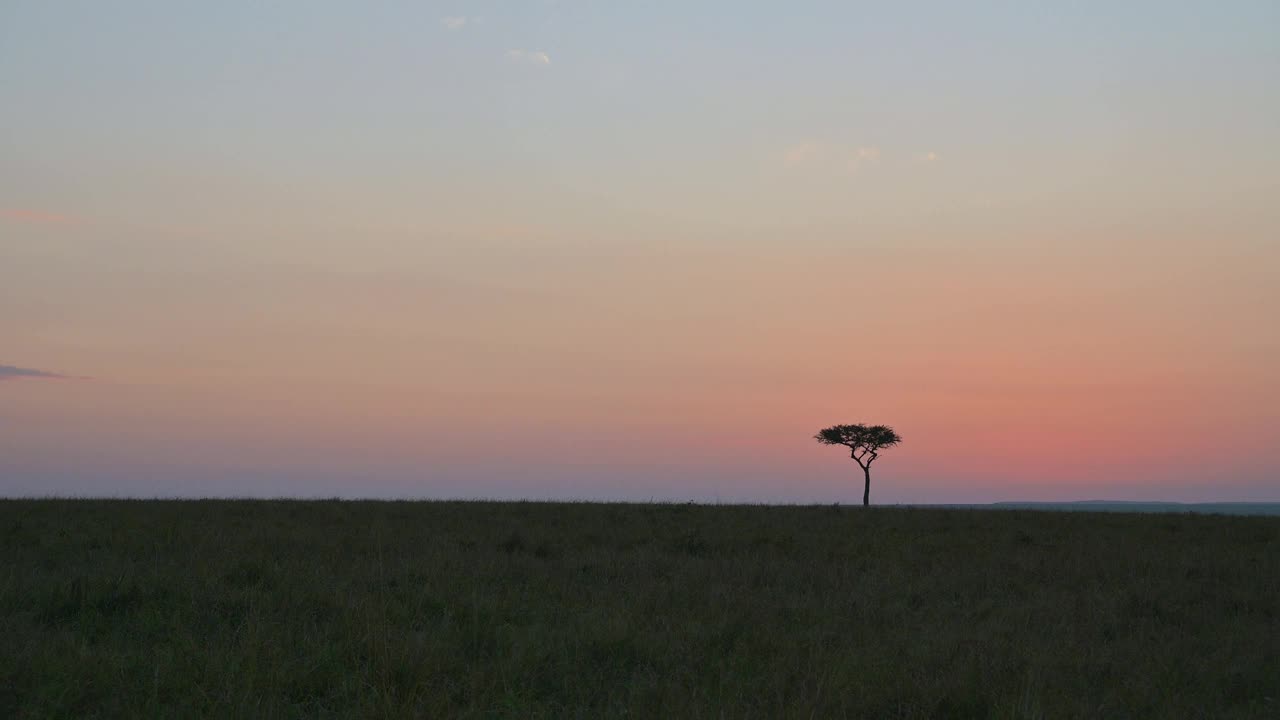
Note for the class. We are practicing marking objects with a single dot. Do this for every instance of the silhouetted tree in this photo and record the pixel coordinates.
(864, 442)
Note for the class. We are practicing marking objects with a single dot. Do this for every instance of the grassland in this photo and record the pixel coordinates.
(311, 609)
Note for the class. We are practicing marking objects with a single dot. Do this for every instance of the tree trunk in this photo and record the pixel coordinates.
(866, 489)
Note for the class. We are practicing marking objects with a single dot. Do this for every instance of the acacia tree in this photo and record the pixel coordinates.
(864, 442)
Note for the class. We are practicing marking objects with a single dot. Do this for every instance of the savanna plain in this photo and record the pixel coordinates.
(284, 609)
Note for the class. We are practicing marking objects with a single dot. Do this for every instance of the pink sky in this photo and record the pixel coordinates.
(692, 373)
(571, 252)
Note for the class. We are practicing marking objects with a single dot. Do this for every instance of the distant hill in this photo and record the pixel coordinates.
(1230, 508)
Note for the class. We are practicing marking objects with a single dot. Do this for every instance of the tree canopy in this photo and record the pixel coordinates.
(864, 441)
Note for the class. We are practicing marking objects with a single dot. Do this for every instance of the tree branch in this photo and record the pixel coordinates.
(853, 453)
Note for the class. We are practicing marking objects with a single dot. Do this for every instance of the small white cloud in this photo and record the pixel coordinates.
(529, 57)
(454, 23)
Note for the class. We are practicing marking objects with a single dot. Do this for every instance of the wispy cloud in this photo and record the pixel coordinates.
(10, 372)
(864, 155)
(814, 153)
(928, 157)
(529, 57)
(456, 22)
(802, 153)
(36, 217)
(870, 153)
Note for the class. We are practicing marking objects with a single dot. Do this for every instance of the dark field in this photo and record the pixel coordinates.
(311, 609)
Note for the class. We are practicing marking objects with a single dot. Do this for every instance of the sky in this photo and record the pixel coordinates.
(635, 251)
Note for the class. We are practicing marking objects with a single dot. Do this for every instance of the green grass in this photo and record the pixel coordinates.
(310, 609)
